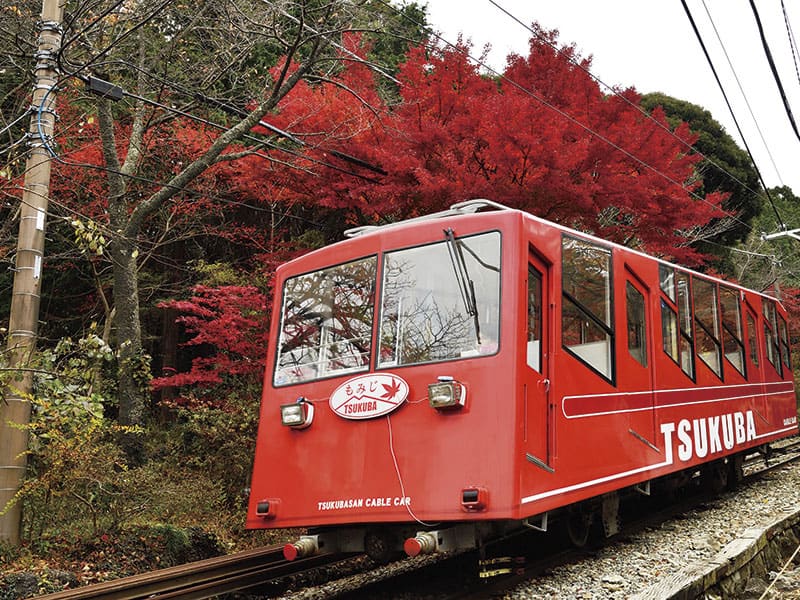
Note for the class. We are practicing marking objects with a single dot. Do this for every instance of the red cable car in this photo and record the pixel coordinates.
(447, 379)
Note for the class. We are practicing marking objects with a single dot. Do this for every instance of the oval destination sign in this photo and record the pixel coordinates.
(368, 396)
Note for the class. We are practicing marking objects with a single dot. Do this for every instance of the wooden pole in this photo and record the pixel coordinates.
(15, 408)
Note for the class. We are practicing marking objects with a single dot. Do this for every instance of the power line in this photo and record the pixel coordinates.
(15, 121)
(624, 98)
(741, 90)
(222, 200)
(730, 109)
(792, 42)
(505, 78)
(774, 70)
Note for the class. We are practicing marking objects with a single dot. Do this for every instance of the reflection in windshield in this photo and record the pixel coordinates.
(424, 317)
(326, 326)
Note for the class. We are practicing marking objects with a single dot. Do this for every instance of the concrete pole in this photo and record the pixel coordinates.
(15, 408)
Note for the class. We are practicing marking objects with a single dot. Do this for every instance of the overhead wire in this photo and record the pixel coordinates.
(666, 129)
(15, 121)
(699, 37)
(222, 105)
(251, 138)
(792, 41)
(106, 229)
(774, 70)
(76, 73)
(588, 129)
(14, 144)
(489, 69)
(742, 92)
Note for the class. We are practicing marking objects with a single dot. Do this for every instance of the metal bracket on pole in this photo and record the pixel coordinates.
(792, 233)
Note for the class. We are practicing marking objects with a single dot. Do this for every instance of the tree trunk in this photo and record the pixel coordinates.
(129, 334)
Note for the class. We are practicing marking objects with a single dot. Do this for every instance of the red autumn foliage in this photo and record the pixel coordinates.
(543, 138)
(231, 321)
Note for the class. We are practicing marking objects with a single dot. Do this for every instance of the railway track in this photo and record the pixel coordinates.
(256, 568)
(756, 466)
(201, 579)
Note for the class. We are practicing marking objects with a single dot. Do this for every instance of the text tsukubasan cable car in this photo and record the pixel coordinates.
(446, 379)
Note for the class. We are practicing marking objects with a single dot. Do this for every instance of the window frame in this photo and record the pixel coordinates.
(771, 344)
(752, 336)
(385, 255)
(607, 329)
(712, 330)
(642, 325)
(534, 274)
(679, 305)
(783, 341)
(738, 339)
(276, 367)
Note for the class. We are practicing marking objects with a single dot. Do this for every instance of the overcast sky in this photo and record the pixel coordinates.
(650, 45)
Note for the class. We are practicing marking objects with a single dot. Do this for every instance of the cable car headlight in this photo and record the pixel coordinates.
(447, 393)
(298, 415)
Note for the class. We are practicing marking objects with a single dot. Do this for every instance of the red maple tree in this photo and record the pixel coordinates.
(543, 137)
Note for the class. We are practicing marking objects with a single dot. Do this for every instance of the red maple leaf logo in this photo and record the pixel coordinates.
(391, 390)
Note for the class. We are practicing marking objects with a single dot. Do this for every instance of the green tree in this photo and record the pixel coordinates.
(725, 168)
(763, 264)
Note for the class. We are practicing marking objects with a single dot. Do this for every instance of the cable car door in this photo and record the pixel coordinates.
(635, 366)
(538, 408)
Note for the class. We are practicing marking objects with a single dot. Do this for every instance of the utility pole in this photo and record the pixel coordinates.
(15, 407)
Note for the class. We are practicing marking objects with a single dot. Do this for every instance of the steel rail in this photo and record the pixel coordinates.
(201, 579)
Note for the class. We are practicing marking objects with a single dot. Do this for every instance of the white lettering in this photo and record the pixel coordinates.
(751, 425)
(685, 447)
(340, 504)
(738, 420)
(700, 437)
(715, 445)
(727, 431)
(666, 431)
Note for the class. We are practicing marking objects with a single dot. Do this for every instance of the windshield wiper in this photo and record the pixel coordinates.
(465, 284)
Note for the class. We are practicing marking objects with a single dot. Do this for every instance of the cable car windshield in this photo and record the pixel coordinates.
(440, 302)
(425, 313)
(326, 325)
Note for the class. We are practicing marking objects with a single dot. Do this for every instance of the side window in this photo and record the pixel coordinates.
(685, 319)
(676, 318)
(784, 341)
(586, 325)
(666, 276)
(669, 330)
(637, 326)
(534, 319)
(732, 338)
(771, 334)
(752, 337)
(706, 316)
